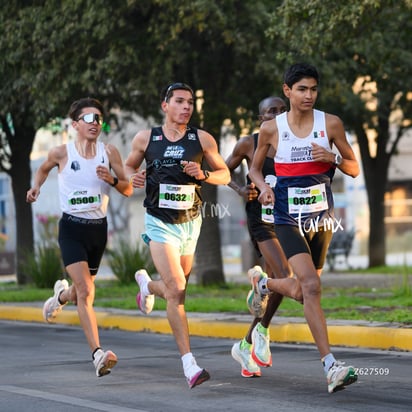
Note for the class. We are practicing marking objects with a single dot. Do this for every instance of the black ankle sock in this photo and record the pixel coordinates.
(58, 299)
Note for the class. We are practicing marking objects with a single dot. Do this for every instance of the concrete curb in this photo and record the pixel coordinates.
(230, 326)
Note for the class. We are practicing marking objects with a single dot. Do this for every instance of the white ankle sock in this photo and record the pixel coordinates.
(328, 361)
(190, 366)
(144, 288)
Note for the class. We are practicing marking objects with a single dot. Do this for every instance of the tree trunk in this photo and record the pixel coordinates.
(376, 178)
(377, 232)
(20, 172)
(376, 187)
(209, 264)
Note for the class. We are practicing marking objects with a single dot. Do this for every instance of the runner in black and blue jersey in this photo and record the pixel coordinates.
(303, 202)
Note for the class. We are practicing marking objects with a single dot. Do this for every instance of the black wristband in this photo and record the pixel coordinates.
(115, 181)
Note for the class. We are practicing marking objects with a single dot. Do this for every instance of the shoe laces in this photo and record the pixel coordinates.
(336, 367)
(337, 364)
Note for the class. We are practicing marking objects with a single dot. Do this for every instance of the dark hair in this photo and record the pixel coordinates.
(77, 106)
(167, 92)
(299, 71)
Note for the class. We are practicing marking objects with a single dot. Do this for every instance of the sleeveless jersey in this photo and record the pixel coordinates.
(82, 193)
(268, 168)
(268, 171)
(303, 195)
(171, 195)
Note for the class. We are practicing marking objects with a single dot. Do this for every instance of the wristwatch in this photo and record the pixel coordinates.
(115, 181)
(206, 173)
(338, 160)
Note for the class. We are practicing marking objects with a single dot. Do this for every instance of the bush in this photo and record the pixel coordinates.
(44, 266)
(126, 259)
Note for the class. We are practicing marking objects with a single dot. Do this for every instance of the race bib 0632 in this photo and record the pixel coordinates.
(180, 197)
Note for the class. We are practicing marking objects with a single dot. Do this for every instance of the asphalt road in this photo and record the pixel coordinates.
(48, 367)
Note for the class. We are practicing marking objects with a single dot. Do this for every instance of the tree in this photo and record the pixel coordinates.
(47, 62)
(368, 44)
(123, 53)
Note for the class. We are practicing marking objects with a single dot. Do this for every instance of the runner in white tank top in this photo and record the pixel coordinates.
(85, 178)
(81, 192)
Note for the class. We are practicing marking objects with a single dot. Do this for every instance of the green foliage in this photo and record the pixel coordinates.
(361, 50)
(124, 52)
(44, 266)
(141, 46)
(48, 229)
(380, 305)
(404, 289)
(127, 258)
(10, 292)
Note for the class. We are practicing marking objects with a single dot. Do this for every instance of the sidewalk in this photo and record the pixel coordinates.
(374, 335)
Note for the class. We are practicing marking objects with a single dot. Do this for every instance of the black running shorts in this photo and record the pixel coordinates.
(259, 231)
(82, 240)
(314, 243)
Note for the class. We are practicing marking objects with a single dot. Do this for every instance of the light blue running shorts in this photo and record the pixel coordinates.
(184, 236)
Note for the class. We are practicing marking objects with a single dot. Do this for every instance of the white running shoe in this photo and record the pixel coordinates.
(340, 376)
(144, 302)
(104, 361)
(249, 367)
(52, 306)
(256, 301)
(261, 347)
